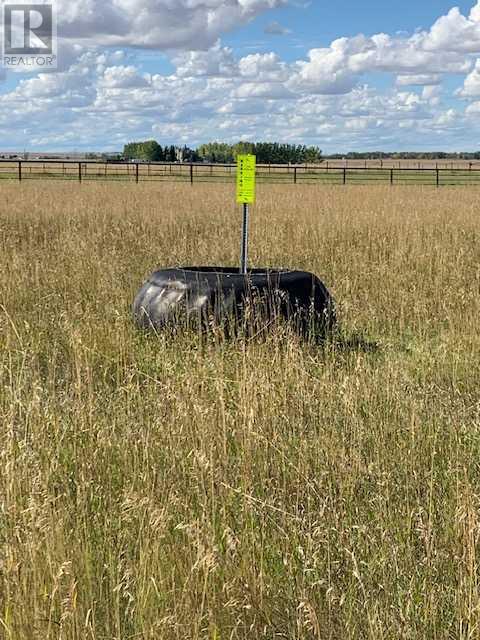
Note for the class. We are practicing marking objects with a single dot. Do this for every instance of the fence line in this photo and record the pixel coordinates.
(137, 172)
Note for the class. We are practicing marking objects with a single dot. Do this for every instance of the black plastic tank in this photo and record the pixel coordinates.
(219, 296)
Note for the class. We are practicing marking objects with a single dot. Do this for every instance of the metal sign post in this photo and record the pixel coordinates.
(246, 176)
(246, 220)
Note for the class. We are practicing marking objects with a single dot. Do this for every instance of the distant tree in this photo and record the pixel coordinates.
(243, 148)
(266, 152)
(150, 151)
(219, 152)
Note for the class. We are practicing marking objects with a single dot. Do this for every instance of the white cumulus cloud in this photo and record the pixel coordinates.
(471, 85)
(156, 24)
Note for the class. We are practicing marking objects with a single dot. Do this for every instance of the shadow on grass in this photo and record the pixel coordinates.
(343, 343)
(333, 340)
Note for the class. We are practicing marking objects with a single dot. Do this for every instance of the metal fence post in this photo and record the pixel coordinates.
(438, 177)
(79, 171)
(191, 174)
(136, 172)
(295, 175)
(391, 176)
(19, 170)
(344, 175)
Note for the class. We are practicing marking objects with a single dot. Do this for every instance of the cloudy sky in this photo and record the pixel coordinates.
(341, 74)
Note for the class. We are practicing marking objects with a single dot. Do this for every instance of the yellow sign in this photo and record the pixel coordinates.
(246, 173)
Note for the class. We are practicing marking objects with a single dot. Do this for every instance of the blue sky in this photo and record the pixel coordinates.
(320, 22)
(343, 75)
(348, 18)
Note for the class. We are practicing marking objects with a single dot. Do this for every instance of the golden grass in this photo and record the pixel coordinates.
(193, 488)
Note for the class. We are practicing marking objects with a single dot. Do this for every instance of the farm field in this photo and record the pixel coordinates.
(161, 487)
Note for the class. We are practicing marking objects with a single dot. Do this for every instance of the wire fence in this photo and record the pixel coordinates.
(136, 172)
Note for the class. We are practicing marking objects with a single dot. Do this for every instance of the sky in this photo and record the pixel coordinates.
(344, 75)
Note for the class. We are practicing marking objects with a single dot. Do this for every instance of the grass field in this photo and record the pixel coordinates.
(191, 488)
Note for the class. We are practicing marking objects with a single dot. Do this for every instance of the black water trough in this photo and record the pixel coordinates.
(218, 296)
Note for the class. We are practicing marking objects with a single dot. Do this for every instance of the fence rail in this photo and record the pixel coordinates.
(276, 174)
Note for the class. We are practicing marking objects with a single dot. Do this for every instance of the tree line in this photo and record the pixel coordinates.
(223, 153)
(266, 152)
(271, 153)
(151, 151)
(405, 155)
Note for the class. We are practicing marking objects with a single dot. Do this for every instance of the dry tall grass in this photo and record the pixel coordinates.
(174, 489)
